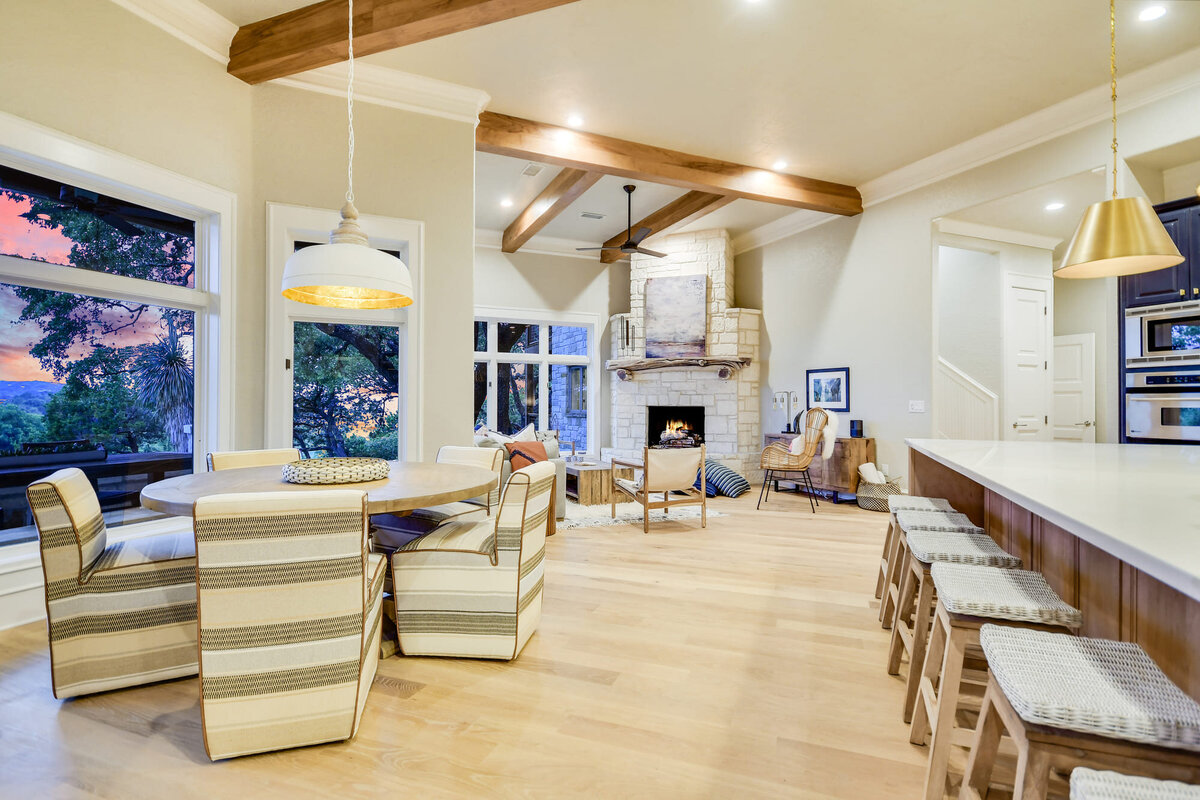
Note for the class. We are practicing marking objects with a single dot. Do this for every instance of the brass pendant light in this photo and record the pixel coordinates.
(347, 272)
(1121, 236)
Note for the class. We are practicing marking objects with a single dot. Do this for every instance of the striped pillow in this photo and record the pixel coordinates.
(720, 478)
(522, 454)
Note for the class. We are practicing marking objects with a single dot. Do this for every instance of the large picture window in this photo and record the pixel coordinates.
(97, 371)
(533, 372)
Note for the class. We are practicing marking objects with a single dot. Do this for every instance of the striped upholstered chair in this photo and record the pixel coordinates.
(235, 459)
(290, 611)
(474, 589)
(119, 614)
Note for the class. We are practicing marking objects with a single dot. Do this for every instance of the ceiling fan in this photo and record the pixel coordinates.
(633, 241)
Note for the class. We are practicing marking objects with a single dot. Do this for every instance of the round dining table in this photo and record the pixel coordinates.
(409, 485)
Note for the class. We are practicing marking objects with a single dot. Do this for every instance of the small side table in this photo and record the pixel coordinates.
(589, 483)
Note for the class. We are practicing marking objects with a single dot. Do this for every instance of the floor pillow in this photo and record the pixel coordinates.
(720, 478)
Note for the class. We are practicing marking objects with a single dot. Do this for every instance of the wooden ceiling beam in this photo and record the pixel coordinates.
(564, 147)
(564, 189)
(316, 35)
(675, 214)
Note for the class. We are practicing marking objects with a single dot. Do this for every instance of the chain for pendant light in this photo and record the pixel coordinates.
(350, 111)
(1112, 74)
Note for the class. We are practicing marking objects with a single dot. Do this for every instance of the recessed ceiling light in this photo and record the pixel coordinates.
(506, 202)
(1054, 206)
(779, 166)
(575, 121)
(1151, 13)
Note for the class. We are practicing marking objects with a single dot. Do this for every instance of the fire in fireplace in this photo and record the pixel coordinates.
(674, 426)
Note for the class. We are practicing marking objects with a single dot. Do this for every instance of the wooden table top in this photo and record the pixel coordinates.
(408, 486)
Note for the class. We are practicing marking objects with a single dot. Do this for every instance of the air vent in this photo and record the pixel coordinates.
(591, 215)
(532, 169)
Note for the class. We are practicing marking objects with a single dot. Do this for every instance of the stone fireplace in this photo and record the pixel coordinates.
(723, 386)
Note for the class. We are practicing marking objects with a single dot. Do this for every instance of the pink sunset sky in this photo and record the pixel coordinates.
(19, 237)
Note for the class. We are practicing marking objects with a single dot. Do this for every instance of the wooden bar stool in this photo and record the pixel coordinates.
(901, 502)
(915, 604)
(907, 519)
(1069, 701)
(1090, 784)
(968, 596)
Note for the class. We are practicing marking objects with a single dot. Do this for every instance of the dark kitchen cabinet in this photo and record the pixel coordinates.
(1177, 283)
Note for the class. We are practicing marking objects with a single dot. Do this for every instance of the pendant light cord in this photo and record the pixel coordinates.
(350, 111)
(1112, 74)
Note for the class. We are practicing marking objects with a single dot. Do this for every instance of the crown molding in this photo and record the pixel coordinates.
(975, 230)
(199, 26)
(782, 228)
(189, 21)
(541, 245)
(1147, 85)
(394, 89)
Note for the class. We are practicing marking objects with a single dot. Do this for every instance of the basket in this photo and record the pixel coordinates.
(326, 471)
(874, 496)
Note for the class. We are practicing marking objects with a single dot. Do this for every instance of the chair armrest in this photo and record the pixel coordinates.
(562, 442)
(619, 462)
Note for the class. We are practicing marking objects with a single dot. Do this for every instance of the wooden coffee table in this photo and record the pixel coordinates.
(589, 483)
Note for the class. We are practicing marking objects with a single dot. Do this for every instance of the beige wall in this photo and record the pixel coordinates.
(410, 166)
(857, 292)
(558, 283)
(97, 72)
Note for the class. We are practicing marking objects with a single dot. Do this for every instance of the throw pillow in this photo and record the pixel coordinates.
(522, 454)
(526, 434)
(720, 478)
(552, 451)
(497, 436)
(797, 446)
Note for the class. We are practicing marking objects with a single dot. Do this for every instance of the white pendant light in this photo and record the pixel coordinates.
(1121, 236)
(347, 272)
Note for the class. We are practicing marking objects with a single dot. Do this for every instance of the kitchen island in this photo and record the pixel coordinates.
(1115, 529)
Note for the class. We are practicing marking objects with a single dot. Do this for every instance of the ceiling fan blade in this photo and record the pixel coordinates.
(120, 224)
(598, 248)
(639, 236)
(654, 253)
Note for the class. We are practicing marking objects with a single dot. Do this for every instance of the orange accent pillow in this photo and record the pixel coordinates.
(522, 454)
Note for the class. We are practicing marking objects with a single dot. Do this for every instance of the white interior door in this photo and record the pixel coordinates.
(1074, 410)
(1026, 394)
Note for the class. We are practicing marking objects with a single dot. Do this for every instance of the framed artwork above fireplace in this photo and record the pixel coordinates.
(676, 316)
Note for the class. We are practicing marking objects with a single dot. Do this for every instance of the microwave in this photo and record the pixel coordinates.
(1163, 335)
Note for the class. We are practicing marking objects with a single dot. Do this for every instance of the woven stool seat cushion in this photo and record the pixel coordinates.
(960, 548)
(1095, 686)
(905, 502)
(1090, 784)
(1012, 594)
(945, 521)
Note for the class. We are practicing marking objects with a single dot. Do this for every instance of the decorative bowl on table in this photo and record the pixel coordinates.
(326, 471)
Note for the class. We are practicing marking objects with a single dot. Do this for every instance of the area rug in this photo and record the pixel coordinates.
(627, 514)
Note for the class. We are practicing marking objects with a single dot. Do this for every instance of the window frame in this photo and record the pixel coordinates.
(287, 224)
(545, 319)
(42, 151)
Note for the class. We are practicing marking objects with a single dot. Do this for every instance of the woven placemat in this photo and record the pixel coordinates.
(335, 470)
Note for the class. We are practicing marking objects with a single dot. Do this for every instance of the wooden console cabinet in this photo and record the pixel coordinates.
(838, 475)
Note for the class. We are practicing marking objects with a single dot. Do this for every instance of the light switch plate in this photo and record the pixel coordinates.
(916, 406)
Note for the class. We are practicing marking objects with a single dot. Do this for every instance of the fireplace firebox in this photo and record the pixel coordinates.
(674, 426)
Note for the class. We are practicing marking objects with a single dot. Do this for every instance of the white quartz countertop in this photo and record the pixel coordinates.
(1140, 503)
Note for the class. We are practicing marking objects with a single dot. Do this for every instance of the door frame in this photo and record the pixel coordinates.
(285, 225)
(1037, 283)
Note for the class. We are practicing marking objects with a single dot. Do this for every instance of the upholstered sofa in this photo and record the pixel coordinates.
(560, 471)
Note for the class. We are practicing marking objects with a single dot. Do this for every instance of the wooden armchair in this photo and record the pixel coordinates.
(664, 470)
(777, 458)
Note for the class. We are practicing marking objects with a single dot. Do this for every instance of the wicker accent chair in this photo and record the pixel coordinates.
(120, 614)
(235, 459)
(474, 589)
(668, 471)
(777, 458)
(290, 608)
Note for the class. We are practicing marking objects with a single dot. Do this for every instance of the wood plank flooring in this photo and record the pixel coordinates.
(744, 660)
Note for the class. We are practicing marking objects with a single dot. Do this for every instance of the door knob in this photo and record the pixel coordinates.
(1020, 425)
(1085, 424)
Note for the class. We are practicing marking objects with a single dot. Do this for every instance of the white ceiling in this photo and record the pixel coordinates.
(844, 91)
(1026, 211)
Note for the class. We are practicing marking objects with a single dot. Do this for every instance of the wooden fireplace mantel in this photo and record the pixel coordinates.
(624, 367)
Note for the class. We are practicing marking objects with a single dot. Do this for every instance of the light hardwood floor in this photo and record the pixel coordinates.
(744, 660)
